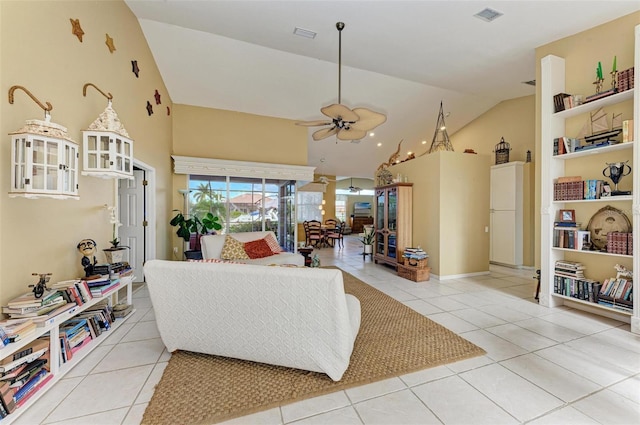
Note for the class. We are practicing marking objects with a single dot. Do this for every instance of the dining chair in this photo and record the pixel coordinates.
(314, 233)
(337, 235)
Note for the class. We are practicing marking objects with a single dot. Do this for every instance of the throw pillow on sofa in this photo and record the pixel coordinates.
(273, 243)
(233, 249)
(258, 249)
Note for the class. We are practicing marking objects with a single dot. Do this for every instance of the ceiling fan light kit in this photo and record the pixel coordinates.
(345, 124)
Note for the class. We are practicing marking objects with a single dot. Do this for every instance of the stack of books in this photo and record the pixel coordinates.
(415, 253)
(17, 329)
(617, 293)
(102, 286)
(28, 305)
(74, 334)
(23, 373)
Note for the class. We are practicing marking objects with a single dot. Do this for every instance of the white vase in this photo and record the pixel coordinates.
(368, 249)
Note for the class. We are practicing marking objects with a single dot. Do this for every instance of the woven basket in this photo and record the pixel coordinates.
(412, 262)
(414, 273)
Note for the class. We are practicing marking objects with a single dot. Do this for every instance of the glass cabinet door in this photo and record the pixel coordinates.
(392, 209)
(380, 209)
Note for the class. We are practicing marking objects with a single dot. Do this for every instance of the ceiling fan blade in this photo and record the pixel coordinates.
(368, 119)
(324, 133)
(338, 110)
(314, 123)
(351, 134)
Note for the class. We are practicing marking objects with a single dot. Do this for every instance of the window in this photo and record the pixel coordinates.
(308, 203)
(341, 207)
(244, 204)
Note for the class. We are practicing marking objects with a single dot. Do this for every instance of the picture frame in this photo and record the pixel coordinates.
(567, 216)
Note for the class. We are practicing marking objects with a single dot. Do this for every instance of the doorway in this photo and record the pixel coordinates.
(136, 202)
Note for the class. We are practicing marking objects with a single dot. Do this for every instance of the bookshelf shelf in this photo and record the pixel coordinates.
(598, 264)
(52, 328)
(594, 151)
(594, 305)
(589, 201)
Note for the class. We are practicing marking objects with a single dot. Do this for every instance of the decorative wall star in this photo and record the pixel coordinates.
(149, 108)
(109, 44)
(134, 68)
(76, 29)
(157, 96)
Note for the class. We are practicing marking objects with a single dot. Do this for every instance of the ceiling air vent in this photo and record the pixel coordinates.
(304, 33)
(488, 14)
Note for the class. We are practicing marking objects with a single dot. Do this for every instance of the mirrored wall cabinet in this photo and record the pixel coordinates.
(107, 148)
(44, 161)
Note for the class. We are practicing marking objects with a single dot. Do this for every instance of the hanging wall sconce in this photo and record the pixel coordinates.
(107, 148)
(44, 159)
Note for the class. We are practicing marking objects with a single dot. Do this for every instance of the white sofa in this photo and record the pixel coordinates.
(212, 249)
(298, 317)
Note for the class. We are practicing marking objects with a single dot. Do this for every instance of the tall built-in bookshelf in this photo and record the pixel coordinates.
(554, 166)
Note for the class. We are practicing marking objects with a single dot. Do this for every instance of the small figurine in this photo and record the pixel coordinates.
(315, 261)
(41, 286)
(87, 247)
(623, 272)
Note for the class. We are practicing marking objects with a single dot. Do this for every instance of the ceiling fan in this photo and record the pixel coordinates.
(354, 189)
(345, 123)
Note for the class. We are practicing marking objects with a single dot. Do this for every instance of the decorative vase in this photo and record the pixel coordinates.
(114, 255)
(368, 249)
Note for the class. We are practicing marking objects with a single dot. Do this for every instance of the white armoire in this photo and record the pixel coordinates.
(506, 214)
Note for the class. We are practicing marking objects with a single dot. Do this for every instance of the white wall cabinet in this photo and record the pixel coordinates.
(552, 167)
(506, 213)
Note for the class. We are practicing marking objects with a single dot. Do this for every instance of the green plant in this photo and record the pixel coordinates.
(368, 237)
(187, 226)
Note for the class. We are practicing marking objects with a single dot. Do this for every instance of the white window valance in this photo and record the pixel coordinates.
(223, 167)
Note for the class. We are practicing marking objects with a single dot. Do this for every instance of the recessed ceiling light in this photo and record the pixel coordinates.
(424, 142)
(409, 153)
(372, 134)
(379, 144)
(304, 33)
(488, 14)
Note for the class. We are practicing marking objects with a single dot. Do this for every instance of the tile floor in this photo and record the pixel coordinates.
(543, 366)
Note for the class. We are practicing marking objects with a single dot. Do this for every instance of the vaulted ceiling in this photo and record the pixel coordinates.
(401, 58)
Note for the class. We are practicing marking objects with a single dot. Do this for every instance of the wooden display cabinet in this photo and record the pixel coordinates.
(393, 220)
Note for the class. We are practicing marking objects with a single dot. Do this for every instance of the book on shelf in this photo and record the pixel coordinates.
(29, 386)
(100, 291)
(29, 371)
(38, 385)
(26, 359)
(34, 346)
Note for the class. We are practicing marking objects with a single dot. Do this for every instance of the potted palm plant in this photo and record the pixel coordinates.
(367, 239)
(194, 225)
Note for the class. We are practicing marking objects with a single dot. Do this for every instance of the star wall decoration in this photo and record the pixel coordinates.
(149, 108)
(157, 96)
(134, 68)
(110, 44)
(76, 29)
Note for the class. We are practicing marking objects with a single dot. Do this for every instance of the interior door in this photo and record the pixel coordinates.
(131, 195)
(503, 237)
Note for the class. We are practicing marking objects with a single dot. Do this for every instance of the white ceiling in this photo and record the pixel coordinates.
(401, 58)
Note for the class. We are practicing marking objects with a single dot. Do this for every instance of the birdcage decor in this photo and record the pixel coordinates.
(502, 152)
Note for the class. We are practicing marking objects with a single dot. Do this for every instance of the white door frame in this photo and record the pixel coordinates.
(150, 207)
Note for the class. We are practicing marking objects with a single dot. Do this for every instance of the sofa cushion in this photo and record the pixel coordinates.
(233, 249)
(258, 249)
(273, 243)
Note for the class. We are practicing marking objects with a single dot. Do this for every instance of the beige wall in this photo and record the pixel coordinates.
(582, 52)
(450, 210)
(215, 133)
(39, 52)
(513, 119)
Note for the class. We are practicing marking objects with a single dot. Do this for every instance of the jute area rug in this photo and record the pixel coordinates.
(393, 340)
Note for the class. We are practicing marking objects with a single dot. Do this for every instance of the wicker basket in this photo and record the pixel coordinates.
(414, 273)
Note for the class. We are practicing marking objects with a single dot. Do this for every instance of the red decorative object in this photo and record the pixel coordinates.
(157, 96)
(134, 68)
(76, 29)
(110, 44)
(149, 108)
